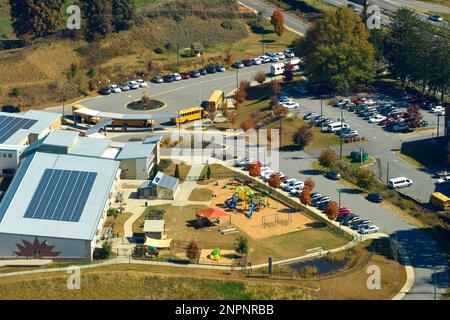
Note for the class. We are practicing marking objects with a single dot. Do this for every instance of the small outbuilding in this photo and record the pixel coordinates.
(162, 186)
(154, 229)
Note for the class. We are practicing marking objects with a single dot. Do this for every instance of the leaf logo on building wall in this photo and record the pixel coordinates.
(36, 249)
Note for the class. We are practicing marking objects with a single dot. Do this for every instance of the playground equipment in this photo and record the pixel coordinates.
(151, 252)
(277, 219)
(215, 254)
(233, 201)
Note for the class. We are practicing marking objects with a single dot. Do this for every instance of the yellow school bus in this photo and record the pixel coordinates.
(85, 116)
(190, 114)
(94, 117)
(440, 201)
(216, 100)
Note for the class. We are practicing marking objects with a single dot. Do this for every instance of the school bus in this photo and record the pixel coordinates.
(216, 100)
(85, 116)
(190, 114)
(440, 201)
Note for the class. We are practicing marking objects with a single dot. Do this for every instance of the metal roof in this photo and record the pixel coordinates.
(96, 128)
(39, 123)
(165, 181)
(136, 150)
(26, 184)
(61, 138)
(90, 147)
(154, 226)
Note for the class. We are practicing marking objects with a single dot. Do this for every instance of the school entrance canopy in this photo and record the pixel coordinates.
(212, 214)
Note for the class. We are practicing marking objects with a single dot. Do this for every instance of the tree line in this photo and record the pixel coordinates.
(38, 18)
(341, 53)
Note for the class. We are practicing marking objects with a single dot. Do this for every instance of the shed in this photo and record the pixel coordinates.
(154, 229)
(161, 187)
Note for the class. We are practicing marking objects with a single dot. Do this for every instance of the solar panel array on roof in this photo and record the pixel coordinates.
(10, 125)
(61, 195)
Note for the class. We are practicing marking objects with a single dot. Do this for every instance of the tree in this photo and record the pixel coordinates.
(208, 173)
(242, 245)
(288, 74)
(277, 20)
(310, 184)
(364, 178)
(332, 210)
(274, 181)
(193, 250)
(177, 172)
(278, 110)
(327, 158)
(305, 196)
(302, 137)
(337, 51)
(260, 77)
(36, 18)
(232, 117)
(241, 93)
(105, 251)
(248, 124)
(98, 16)
(254, 169)
(275, 89)
(415, 116)
(123, 14)
(228, 57)
(91, 73)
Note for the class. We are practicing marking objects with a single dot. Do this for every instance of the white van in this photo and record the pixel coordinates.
(277, 69)
(400, 182)
(335, 126)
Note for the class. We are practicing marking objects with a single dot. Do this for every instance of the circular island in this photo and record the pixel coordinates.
(145, 104)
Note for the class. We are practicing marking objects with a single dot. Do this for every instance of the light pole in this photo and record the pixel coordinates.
(361, 154)
(438, 125)
(237, 78)
(387, 174)
(340, 135)
(321, 105)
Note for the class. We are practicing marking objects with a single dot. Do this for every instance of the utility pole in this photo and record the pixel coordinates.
(435, 283)
(237, 78)
(387, 174)
(340, 134)
(438, 125)
(178, 56)
(63, 97)
(321, 105)
(361, 154)
(262, 42)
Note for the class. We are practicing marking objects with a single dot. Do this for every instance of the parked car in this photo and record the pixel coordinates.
(288, 53)
(220, 68)
(400, 182)
(105, 91)
(325, 199)
(375, 197)
(142, 83)
(280, 55)
(265, 59)
(436, 18)
(443, 180)
(341, 102)
(377, 118)
(350, 134)
(243, 162)
(9, 108)
(342, 218)
(124, 86)
(185, 76)
(115, 88)
(290, 105)
(256, 61)
(333, 175)
(133, 85)
(368, 229)
(169, 78)
(310, 116)
(203, 72)
(158, 79)
(441, 173)
(349, 222)
(437, 109)
(361, 224)
(195, 74)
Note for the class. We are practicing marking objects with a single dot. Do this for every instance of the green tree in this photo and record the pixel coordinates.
(98, 16)
(337, 51)
(177, 172)
(35, 18)
(208, 173)
(302, 137)
(105, 251)
(91, 73)
(364, 178)
(242, 245)
(123, 14)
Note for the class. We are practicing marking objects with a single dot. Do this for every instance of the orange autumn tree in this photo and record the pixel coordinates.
(277, 20)
(274, 181)
(310, 184)
(254, 169)
(305, 195)
(332, 210)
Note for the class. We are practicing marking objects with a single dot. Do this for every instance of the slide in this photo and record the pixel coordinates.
(233, 201)
(249, 214)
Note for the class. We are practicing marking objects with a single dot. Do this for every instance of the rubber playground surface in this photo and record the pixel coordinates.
(273, 219)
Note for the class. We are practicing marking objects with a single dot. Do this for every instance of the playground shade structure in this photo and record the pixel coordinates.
(212, 213)
(157, 243)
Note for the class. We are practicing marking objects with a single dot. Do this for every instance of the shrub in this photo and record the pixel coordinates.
(305, 196)
(364, 178)
(302, 137)
(242, 245)
(159, 50)
(226, 25)
(327, 158)
(260, 77)
(193, 250)
(332, 210)
(254, 169)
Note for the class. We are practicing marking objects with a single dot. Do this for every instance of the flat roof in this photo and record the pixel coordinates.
(38, 122)
(25, 184)
(154, 226)
(90, 147)
(136, 150)
(61, 138)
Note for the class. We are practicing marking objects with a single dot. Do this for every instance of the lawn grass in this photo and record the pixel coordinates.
(411, 161)
(201, 194)
(117, 223)
(218, 172)
(349, 162)
(294, 244)
(291, 124)
(169, 168)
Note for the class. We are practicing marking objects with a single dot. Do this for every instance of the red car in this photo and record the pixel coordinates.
(185, 76)
(360, 99)
(343, 211)
(247, 62)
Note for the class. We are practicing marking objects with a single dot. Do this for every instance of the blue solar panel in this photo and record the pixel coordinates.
(10, 125)
(61, 195)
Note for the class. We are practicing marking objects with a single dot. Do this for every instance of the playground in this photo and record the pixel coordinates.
(256, 213)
